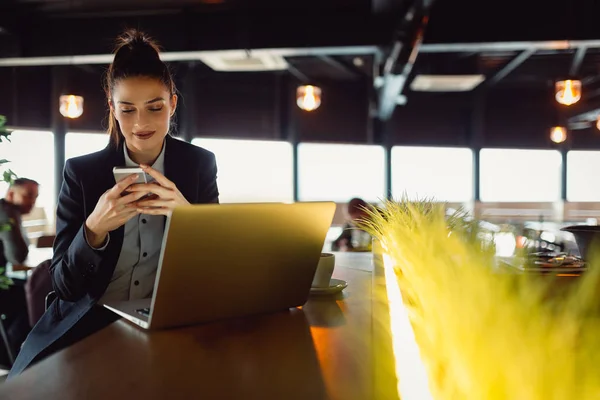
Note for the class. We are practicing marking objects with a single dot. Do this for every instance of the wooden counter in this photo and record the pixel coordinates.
(322, 351)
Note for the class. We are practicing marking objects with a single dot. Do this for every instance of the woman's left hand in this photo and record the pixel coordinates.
(166, 195)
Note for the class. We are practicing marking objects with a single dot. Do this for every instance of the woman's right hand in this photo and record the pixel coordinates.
(112, 211)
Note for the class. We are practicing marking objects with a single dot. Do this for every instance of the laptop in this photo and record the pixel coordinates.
(222, 261)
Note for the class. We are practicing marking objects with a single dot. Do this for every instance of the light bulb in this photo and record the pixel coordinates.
(71, 106)
(568, 92)
(558, 134)
(308, 97)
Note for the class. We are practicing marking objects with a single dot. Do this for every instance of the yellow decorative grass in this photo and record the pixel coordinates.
(484, 334)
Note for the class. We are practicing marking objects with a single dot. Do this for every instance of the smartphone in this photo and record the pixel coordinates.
(121, 173)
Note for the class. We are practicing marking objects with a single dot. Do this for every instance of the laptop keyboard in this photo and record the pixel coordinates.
(144, 311)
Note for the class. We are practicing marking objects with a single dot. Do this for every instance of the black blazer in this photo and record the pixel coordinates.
(80, 275)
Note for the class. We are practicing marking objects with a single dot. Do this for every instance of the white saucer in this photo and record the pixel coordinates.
(335, 286)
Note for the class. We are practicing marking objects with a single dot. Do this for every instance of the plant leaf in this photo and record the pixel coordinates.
(5, 282)
(9, 176)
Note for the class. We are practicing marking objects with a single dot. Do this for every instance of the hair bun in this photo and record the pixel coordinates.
(137, 45)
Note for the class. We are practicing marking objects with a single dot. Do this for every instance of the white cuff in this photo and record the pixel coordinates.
(101, 248)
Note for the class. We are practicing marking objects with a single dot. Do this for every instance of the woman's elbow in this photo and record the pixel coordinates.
(66, 295)
(66, 289)
(66, 292)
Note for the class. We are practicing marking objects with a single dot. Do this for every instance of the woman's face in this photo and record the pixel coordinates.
(143, 107)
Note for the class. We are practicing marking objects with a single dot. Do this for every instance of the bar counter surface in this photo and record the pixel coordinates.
(323, 350)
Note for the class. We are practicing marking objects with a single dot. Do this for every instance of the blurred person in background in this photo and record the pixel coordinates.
(353, 238)
(19, 200)
(14, 247)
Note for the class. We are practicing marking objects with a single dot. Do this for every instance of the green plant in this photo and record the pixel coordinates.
(7, 176)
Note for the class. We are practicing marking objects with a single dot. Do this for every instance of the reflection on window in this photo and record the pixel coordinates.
(79, 144)
(443, 174)
(339, 172)
(520, 175)
(252, 170)
(31, 155)
(582, 181)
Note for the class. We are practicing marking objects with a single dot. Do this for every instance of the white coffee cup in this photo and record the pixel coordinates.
(324, 271)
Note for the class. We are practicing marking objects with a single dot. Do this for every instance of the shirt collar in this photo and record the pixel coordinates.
(158, 165)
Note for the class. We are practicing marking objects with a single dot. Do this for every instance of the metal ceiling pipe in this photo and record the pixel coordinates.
(190, 55)
(511, 66)
(577, 60)
(508, 46)
(587, 116)
(392, 84)
(575, 126)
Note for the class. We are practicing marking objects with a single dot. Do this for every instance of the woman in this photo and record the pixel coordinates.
(108, 242)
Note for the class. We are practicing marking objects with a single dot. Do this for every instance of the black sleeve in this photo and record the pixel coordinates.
(207, 186)
(74, 263)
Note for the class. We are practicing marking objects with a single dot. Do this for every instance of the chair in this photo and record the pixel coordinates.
(49, 299)
(10, 352)
(45, 241)
(37, 288)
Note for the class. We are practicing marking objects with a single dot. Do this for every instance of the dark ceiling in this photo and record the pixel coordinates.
(35, 28)
(453, 21)
(31, 28)
(46, 27)
(459, 21)
(65, 27)
(58, 7)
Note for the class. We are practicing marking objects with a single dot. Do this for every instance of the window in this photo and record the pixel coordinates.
(520, 175)
(439, 173)
(339, 172)
(582, 181)
(252, 170)
(31, 155)
(78, 144)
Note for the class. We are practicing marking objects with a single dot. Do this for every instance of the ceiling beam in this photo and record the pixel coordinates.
(575, 126)
(577, 60)
(296, 73)
(585, 114)
(583, 120)
(510, 66)
(586, 111)
(341, 67)
(190, 55)
(508, 46)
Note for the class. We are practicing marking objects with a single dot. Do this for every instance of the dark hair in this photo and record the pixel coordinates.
(23, 182)
(357, 204)
(136, 54)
